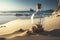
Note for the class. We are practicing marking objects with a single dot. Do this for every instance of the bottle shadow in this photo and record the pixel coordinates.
(39, 30)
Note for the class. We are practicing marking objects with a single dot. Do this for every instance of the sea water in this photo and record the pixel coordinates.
(4, 18)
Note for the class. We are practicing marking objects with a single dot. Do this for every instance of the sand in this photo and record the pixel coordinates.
(16, 25)
(13, 35)
(35, 37)
(52, 22)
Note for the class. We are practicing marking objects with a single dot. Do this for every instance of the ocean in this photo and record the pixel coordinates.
(9, 16)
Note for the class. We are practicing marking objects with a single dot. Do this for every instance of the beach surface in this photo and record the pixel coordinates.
(16, 25)
(49, 23)
(36, 37)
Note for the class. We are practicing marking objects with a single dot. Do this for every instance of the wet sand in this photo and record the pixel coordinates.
(36, 37)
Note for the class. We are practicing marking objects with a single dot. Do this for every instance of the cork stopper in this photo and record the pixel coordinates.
(38, 6)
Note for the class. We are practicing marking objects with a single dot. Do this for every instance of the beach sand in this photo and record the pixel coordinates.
(49, 23)
(52, 22)
(36, 37)
(16, 25)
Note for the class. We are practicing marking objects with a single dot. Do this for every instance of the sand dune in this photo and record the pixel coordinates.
(49, 23)
(13, 35)
(52, 22)
(16, 25)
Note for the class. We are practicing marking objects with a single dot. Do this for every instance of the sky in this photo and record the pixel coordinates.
(23, 5)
